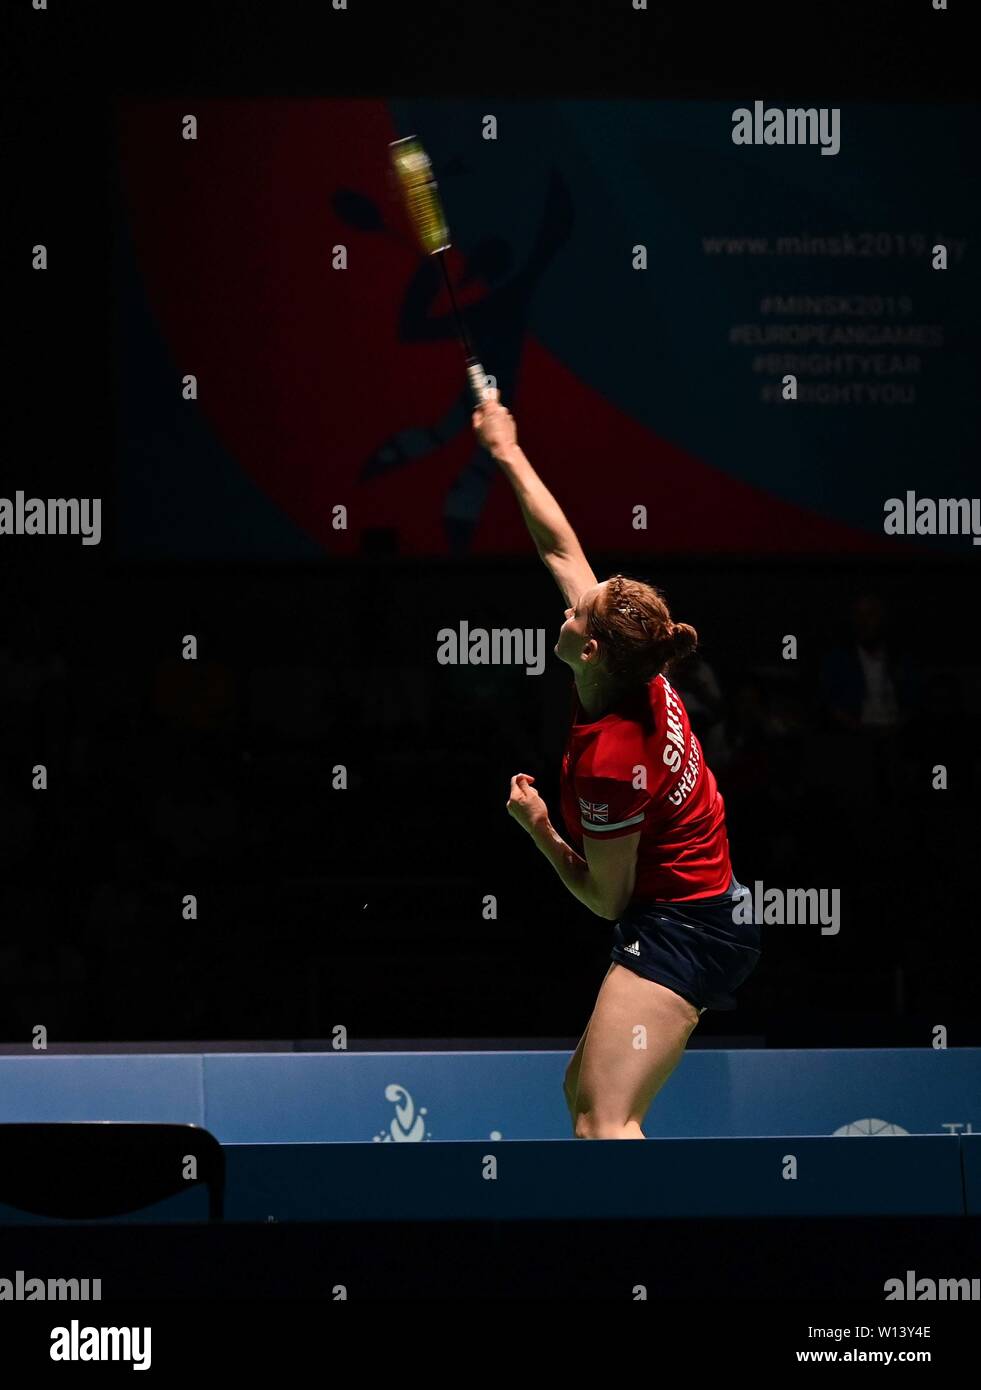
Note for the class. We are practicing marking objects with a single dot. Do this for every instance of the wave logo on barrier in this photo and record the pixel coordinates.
(870, 1127)
(408, 1125)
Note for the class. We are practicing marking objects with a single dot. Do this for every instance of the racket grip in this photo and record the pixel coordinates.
(478, 380)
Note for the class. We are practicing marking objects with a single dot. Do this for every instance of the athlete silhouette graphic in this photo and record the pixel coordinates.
(497, 323)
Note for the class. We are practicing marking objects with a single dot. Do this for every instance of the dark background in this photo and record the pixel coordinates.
(364, 907)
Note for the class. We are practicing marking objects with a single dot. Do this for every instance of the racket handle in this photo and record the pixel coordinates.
(478, 380)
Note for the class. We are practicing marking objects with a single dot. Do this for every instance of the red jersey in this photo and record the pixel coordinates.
(640, 768)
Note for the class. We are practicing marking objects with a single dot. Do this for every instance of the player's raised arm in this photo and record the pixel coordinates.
(554, 538)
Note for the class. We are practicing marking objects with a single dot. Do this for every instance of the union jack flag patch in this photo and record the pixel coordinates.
(598, 811)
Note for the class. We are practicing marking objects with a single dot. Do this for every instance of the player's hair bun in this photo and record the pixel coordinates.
(684, 640)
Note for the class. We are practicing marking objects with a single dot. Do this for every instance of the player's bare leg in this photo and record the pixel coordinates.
(619, 1077)
(570, 1085)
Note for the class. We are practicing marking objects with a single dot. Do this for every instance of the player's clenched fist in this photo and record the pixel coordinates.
(495, 426)
(524, 803)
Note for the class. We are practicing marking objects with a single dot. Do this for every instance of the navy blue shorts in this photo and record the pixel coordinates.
(695, 948)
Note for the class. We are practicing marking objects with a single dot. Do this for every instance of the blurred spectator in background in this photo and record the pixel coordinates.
(699, 688)
(763, 782)
(866, 685)
(869, 692)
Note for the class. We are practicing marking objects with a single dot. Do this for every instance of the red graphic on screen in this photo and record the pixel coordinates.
(346, 387)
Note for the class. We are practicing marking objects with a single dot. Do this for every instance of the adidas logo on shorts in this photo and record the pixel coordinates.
(633, 948)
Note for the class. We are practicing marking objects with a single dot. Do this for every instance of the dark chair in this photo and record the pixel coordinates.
(89, 1169)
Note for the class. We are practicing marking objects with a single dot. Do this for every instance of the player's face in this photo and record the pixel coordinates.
(572, 634)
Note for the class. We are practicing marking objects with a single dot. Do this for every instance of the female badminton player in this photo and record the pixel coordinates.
(650, 851)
